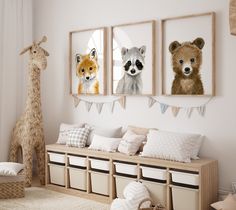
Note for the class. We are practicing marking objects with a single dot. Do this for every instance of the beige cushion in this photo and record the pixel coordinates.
(138, 130)
(232, 17)
(228, 204)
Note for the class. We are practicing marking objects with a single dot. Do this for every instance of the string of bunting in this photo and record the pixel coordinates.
(201, 109)
(99, 105)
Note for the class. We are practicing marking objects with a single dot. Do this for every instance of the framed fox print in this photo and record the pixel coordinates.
(188, 55)
(133, 59)
(88, 62)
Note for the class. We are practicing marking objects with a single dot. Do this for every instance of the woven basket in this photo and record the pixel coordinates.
(12, 187)
(156, 207)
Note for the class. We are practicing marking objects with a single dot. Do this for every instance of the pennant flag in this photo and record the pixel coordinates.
(201, 110)
(164, 107)
(88, 105)
(151, 102)
(175, 110)
(112, 105)
(189, 111)
(76, 100)
(122, 101)
(99, 107)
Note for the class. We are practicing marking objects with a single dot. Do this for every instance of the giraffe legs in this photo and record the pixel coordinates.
(40, 154)
(13, 155)
(28, 162)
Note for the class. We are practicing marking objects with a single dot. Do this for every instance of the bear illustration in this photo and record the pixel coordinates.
(186, 62)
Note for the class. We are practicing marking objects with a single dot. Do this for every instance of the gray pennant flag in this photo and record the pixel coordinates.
(151, 102)
(164, 107)
(188, 111)
(76, 100)
(112, 105)
(99, 107)
(88, 105)
(201, 110)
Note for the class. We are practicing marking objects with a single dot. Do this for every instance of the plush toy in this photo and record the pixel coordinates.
(228, 204)
(134, 193)
(28, 132)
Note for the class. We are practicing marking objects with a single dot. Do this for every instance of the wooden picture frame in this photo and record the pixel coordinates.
(124, 38)
(176, 34)
(88, 67)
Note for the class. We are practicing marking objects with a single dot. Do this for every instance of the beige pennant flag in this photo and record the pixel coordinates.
(76, 100)
(175, 110)
(122, 101)
(99, 107)
(88, 105)
(151, 102)
(112, 105)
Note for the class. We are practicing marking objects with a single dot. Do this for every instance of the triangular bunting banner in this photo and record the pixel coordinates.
(112, 105)
(151, 102)
(99, 107)
(201, 110)
(164, 107)
(122, 101)
(189, 111)
(88, 105)
(175, 110)
(76, 100)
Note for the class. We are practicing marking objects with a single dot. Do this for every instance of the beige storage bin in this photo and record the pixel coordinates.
(153, 173)
(185, 178)
(77, 161)
(121, 183)
(126, 168)
(185, 198)
(158, 191)
(98, 164)
(78, 178)
(100, 183)
(56, 157)
(57, 174)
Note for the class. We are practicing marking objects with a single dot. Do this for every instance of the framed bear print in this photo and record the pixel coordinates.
(133, 59)
(188, 55)
(88, 62)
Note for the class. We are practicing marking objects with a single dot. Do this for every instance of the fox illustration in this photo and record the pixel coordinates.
(86, 70)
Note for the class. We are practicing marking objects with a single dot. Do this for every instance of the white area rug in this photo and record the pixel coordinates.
(43, 199)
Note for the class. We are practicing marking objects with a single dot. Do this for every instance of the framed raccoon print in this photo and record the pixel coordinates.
(133, 59)
(188, 55)
(88, 62)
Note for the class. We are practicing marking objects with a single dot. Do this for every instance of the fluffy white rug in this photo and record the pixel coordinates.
(42, 199)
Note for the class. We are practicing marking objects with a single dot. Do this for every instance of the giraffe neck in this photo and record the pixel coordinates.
(33, 102)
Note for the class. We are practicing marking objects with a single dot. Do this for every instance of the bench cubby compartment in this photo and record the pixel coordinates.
(77, 178)
(100, 183)
(57, 174)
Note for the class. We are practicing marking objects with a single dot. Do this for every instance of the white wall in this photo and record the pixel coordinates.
(55, 18)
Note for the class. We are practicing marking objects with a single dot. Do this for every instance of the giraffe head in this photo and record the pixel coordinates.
(37, 54)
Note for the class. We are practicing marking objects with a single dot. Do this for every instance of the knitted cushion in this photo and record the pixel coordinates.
(228, 204)
(78, 137)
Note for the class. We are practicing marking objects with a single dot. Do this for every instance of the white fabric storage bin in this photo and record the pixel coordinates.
(153, 173)
(57, 174)
(100, 183)
(185, 198)
(77, 161)
(100, 164)
(56, 158)
(157, 191)
(185, 178)
(78, 178)
(125, 168)
(121, 183)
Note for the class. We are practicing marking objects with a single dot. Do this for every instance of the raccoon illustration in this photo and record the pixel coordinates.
(133, 65)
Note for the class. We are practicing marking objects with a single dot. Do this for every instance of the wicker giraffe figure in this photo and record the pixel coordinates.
(28, 131)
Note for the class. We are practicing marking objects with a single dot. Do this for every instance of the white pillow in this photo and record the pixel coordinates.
(131, 143)
(170, 145)
(197, 147)
(64, 132)
(107, 132)
(105, 143)
(10, 168)
(78, 137)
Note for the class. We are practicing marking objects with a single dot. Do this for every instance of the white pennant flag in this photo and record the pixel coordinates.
(201, 110)
(164, 107)
(188, 111)
(112, 105)
(88, 105)
(99, 107)
(151, 102)
(122, 101)
(76, 100)
(175, 110)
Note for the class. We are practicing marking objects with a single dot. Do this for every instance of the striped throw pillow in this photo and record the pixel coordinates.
(78, 137)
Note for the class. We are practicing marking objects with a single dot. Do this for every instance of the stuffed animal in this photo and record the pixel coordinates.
(134, 193)
(133, 65)
(228, 204)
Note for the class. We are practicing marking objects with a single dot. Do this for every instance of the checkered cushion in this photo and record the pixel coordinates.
(78, 137)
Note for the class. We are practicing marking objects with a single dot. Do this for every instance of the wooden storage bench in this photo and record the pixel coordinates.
(172, 179)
